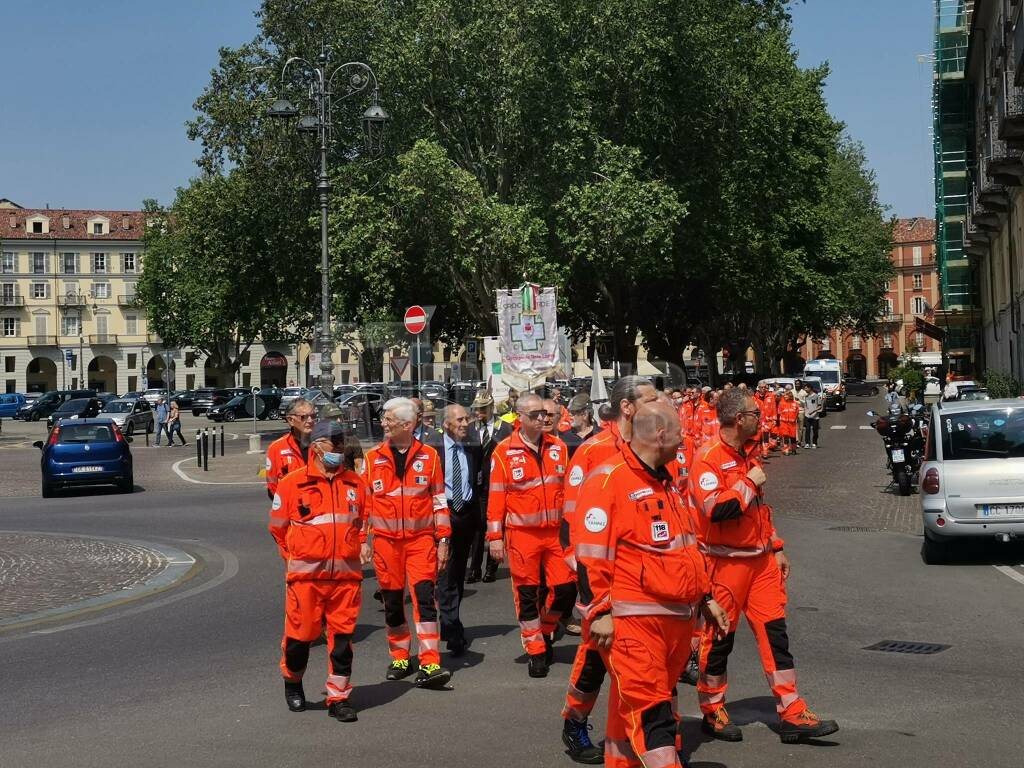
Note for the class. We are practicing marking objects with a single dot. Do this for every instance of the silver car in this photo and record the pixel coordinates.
(972, 482)
(130, 415)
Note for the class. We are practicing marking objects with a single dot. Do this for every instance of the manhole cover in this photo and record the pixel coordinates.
(854, 529)
(905, 646)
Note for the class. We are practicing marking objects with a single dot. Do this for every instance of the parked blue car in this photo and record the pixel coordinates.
(86, 452)
(9, 405)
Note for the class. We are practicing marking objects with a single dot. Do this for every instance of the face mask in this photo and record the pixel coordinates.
(332, 460)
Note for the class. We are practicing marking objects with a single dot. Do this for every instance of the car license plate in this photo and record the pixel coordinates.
(87, 469)
(1001, 510)
(897, 455)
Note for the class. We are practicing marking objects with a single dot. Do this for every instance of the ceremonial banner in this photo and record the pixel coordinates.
(528, 331)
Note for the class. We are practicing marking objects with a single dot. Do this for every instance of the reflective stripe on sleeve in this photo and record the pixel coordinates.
(628, 608)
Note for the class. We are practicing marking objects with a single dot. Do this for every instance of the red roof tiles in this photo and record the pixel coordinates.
(123, 225)
(915, 230)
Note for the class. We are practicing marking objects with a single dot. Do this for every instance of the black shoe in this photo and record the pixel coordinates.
(581, 749)
(457, 648)
(806, 725)
(342, 712)
(295, 696)
(473, 577)
(432, 676)
(720, 726)
(549, 650)
(398, 669)
(489, 575)
(691, 672)
(538, 665)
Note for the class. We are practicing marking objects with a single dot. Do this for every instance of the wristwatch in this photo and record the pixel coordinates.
(443, 540)
(707, 598)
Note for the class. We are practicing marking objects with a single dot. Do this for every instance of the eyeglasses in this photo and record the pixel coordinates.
(303, 416)
(755, 412)
(535, 415)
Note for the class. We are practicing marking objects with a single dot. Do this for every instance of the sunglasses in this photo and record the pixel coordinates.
(536, 415)
(303, 416)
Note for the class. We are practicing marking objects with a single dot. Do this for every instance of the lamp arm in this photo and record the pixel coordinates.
(371, 77)
(304, 64)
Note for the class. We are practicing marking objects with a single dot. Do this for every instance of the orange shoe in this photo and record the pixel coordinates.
(718, 725)
(805, 725)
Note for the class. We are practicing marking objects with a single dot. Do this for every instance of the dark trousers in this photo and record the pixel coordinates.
(451, 582)
(476, 557)
(811, 431)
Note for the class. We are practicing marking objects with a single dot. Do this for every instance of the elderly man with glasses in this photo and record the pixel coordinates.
(524, 513)
(291, 452)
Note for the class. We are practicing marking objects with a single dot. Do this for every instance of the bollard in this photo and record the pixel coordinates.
(213, 437)
(221, 439)
(199, 451)
(147, 438)
(206, 450)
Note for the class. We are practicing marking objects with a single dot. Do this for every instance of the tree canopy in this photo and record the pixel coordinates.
(668, 166)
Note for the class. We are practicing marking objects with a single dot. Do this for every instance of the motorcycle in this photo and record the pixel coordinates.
(904, 435)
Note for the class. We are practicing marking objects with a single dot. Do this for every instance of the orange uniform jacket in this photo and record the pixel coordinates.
(637, 550)
(564, 419)
(526, 488)
(769, 412)
(737, 522)
(789, 412)
(594, 452)
(284, 455)
(411, 505)
(685, 455)
(319, 524)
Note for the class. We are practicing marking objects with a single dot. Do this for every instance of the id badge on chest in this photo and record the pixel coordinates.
(659, 531)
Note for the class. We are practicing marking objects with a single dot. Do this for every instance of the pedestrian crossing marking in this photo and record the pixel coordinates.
(838, 426)
(866, 426)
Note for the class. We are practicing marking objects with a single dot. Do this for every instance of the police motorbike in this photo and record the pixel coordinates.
(904, 435)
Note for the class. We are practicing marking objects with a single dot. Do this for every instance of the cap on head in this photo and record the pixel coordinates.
(579, 403)
(482, 400)
(331, 411)
(428, 408)
(327, 430)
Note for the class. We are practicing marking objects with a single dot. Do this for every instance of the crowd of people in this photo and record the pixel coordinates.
(646, 515)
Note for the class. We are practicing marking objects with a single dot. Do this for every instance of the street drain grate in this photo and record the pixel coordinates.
(854, 529)
(905, 646)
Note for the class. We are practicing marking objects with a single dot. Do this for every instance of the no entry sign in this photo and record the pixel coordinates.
(415, 319)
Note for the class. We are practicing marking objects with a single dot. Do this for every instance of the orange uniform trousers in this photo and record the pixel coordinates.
(648, 654)
(307, 605)
(532, 552)
(754, 587)
(414, 560)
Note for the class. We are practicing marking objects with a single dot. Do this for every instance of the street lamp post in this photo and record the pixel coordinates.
(357, 78)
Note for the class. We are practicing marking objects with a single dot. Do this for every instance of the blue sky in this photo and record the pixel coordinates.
(96, 100)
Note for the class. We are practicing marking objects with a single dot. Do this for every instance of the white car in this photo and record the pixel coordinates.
(972, 480)
(152, 395)
(130, 415)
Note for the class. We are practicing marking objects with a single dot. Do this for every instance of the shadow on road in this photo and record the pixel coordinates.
(980, 551)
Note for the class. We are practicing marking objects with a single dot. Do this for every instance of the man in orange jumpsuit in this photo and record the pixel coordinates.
(411, 527)
(643, 581)
(588, 670)
(789, 414)
(769, 421)
(317, 519)
(289, 452)
(524, 506)
(748, 573)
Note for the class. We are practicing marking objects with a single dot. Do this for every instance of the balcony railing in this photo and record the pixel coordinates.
(103, 338)
(72, 300)
(12, 301)
(128, 300)
(42, 341)
(890, 318)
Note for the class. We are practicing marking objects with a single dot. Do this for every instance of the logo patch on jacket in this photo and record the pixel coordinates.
(422, 456)
(417, 466)
(421, 479)
(729, 465)
(555, 453)
(378, 486)
(517, 473)
(659, 531)
(681, 457)
(277, 502)
(350, 494)
(708, 481)
(641, 493)
(576, 476)
(286, 452)
(596, 520)
(378, 462)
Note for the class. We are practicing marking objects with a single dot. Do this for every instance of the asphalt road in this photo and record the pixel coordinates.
(189, 676)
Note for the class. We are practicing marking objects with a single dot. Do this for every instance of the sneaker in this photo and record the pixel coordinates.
(295, 696)
(814, 445)
(342, 712)
(398, 669)
(718, 725)
(432, 676)
(576, 736)
(574, 629)
(805, 725)
(691, 672)
(538, 665)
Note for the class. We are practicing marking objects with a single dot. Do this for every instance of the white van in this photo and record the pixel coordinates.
(831, 374)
